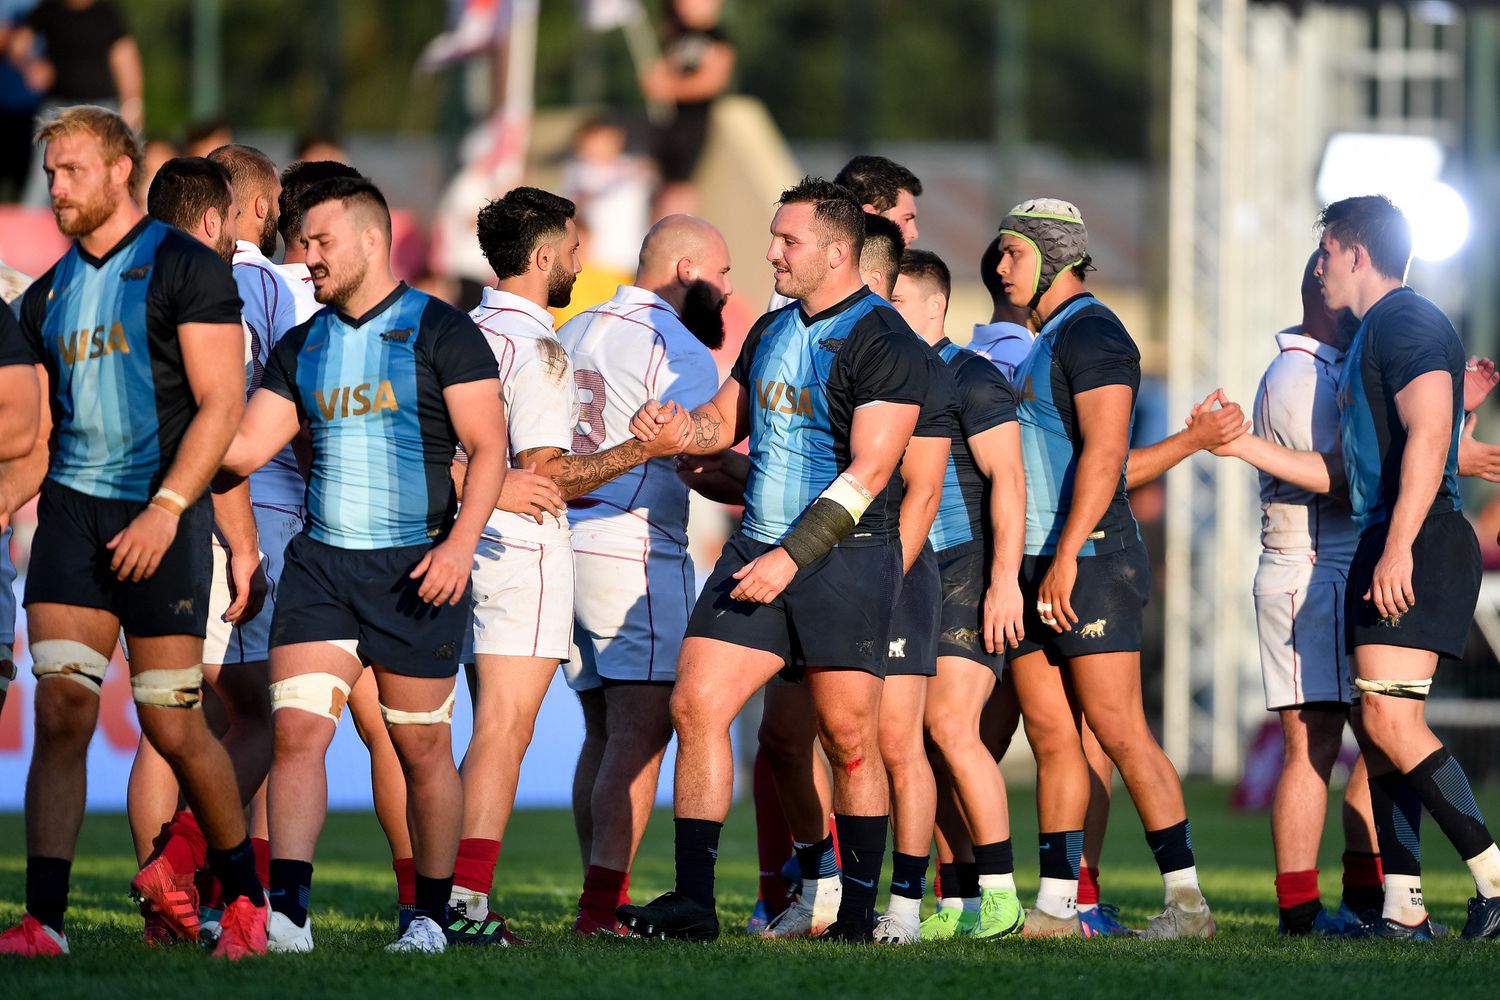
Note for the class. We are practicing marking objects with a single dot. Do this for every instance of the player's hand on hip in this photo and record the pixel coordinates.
(649, 419)
(1054, 596)
(247, 587)
(1390, 584)
(762, 579)
(444, 572)
(139, 548)
(525, 492)
(1004, 610)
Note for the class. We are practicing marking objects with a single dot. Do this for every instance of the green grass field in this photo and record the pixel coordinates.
(538, 884)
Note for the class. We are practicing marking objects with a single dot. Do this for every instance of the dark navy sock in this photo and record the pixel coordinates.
(1397, 811)
(1172, 847)
(1060, 854)
(47, 890)
(235, 870)
(1444, 789)
(995, 859)
(697, 850)
(908, 875)
(291, 888)
(818, 860)
(968, 879)
(948, 886)
(432, 897)
(861, 856)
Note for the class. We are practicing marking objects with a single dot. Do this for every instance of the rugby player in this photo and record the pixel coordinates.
(977, 536)
(1006, 339)
(388, 380)
(828, 392)
(1414, 574)
(141, 321)
(634, 583)
(198, 197)
(1084, 574)
(20, 400)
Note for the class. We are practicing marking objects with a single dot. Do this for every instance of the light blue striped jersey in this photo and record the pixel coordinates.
(1082, 346)
(371, 391)
(985, 400)
(805, 376)
(106, 329)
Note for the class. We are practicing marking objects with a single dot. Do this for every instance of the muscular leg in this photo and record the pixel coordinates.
(954, 707)
(1311, 736)
(639, 727)
(509, 695)
(151, 799)
(433, 791)
(586, 771)
(1363, 877)
(1096, 820)
(388, 785)
(788, 738)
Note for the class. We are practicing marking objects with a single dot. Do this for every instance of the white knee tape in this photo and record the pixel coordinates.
(7, 666)
(179, 688)
(443, 713)
(320, 694)
(1415, 690)
(70, 660)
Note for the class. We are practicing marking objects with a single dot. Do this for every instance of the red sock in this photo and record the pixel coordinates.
(604, 889)
(773, 838)
(262, 849)
(406, 881)
(833, 831)
(1362, 869)
(475, 868)
(186, 850)
(1088, 886)
(1296, 888)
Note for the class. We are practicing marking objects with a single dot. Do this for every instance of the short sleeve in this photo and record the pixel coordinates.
(886, 364)
(455, 348)
(14, 348)
(742, 364)
(986, 398)
(1096, 352)
(687, 378)
(1408, 344)
(196, 284)
(938, 415)
(281, 365)
(541, 402)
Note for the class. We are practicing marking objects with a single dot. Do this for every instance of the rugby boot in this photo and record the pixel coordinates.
(1176, 921)
(1103, 921)
(1040, 924)
(810, 913)
(422, 935)
(949, 922)
(1484, 919)
(284, 936)
(1000, 915)
(174, 897)
(595, 923)
(242, 929)
(848, 930)
(1387, 929)
(670, 916)
(34, 939)
(890, 929)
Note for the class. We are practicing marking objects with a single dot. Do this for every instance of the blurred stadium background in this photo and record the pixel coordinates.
(1199, 137)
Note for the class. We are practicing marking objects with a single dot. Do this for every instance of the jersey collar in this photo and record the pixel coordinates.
(834, 309)
(375, 310)
(494, 298)
(246, 252)
(1292, 340)
(635, 295)
(125, 241)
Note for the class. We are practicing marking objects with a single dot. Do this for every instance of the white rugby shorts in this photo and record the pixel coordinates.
(1299, 613)
(251, 641)
(631, 605)
(523, 598)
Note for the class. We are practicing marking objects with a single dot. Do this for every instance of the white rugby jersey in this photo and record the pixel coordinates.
(626, 351)
(1296, 406)
(536, 381)
(269, 311)
(299, 280)
(1004, 344)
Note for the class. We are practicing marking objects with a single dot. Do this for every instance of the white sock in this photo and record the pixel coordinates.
(905, 909)
(1002, 881)
(1181, 887)
(1403, 899)
(476, 904)
(971, 904)
(1485, 867)
(812, 888)
(1058, 897)
(951, 903)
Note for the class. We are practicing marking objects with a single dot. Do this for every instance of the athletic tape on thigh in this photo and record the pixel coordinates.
(180, 688)
(7, 666)
(320, 694)
(1415, 690)
(71, 660)
(443, 713)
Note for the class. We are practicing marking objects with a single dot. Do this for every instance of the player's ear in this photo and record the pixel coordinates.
(543, 256)
(687, 271)
(212, 222)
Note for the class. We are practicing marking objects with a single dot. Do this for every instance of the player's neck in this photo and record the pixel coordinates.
(112, 230)
(1063, 288)
(1004, 312)
(834, 290)
(527, 287)
(933, 334)
(374, 291)
(1372, 291)
(294, 255)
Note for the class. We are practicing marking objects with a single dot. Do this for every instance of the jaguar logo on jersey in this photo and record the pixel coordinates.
(396, 336)
(363, 400)
(86, 345)
(832, 344)
(136, 273)
(779, 397)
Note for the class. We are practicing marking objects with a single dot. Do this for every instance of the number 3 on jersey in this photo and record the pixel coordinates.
(588, 435)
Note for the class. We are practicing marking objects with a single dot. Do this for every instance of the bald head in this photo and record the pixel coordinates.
(673, 239)
(686, 261)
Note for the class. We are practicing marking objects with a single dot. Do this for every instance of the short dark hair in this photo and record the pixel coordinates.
(882, 248)
(835, 208)
(187, 186)
(924, 265)
(511, 227)
(878, 182)
(358, 191)
(989, 271)
(295, 180)
(1375, 223)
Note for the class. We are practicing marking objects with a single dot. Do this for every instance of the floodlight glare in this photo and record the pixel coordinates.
(1439, 219)
(1405, 168)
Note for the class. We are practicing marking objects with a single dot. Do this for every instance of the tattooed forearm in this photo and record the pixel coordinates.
(706, 430)
(577, 475)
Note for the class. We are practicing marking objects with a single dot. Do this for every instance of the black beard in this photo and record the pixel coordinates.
(703, 314)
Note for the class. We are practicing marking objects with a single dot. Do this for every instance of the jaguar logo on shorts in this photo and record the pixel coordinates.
(1093, 630)
(1392, 620)
(897, 649)
(444, 652)
(183, 607)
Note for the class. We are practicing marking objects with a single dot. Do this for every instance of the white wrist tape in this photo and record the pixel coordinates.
(71, 660)
(179, 688)
(847, 492)
(1415, 690)
(320, 694)
(443, 713)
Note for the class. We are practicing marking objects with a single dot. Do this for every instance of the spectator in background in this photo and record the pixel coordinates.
(612, 190)
(696, 64)
(158, 151)
(315, 147)
(206, 135)
(18, 103)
